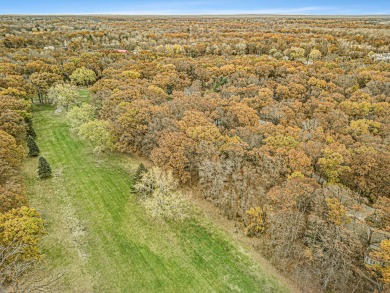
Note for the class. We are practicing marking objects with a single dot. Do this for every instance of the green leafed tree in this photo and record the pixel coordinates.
(33, 149)
(44, 169)
(98, 133)
(80, 115)
(83, 76)
(63, 94)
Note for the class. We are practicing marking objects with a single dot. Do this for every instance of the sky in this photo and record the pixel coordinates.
(139, 7)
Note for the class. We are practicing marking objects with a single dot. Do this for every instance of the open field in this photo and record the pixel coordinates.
(103, 240)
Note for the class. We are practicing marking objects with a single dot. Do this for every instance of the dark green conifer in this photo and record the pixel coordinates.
(141, 170)
(30, 129)
(44, 170)
(33, 149)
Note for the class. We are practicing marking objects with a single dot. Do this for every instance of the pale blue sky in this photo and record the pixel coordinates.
(194, 7)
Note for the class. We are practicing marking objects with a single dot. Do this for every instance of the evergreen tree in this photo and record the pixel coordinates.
(30, 130)
(44, 170)
(33, 149)
(141, 170)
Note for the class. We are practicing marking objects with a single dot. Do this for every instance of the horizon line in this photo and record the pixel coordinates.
(191, 14)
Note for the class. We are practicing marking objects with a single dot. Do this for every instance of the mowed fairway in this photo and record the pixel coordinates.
(101, 237)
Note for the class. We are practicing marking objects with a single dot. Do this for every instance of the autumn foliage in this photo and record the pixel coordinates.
(282, 123)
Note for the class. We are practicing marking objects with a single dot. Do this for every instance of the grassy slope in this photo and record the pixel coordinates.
(100, 235)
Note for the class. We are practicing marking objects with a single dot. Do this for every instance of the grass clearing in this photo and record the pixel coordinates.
(105, 242)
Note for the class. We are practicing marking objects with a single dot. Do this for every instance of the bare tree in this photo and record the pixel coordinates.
(19, 275)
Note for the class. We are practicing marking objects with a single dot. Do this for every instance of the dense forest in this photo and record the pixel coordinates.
(281, 122)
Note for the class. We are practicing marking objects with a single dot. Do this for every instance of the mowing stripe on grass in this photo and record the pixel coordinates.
(125, 251)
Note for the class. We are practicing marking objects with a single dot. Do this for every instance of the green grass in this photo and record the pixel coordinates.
(103, 239)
